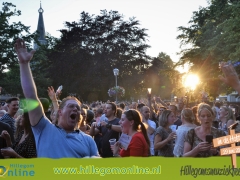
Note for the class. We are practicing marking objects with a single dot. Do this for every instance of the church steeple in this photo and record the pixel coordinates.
(40, 28)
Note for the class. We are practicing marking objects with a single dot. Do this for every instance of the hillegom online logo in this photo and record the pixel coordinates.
(3, 171)
(17, 170)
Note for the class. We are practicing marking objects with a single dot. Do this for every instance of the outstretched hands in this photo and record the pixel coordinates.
(23, 55)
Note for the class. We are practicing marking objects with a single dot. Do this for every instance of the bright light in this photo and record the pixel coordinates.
(190, 81)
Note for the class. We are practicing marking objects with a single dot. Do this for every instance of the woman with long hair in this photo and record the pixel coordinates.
(196, 143)
(24, 146)
(131, 124)
(164, 137)
(226, 118)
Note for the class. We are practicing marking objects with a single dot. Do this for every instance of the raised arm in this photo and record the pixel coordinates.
(27, 82)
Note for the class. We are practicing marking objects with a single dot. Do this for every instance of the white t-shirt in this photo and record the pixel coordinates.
(151, 137)
(179, 141)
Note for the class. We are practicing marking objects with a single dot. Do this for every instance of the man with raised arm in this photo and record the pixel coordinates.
(53, 141)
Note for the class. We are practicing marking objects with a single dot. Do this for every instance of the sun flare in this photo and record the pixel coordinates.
(190, 81)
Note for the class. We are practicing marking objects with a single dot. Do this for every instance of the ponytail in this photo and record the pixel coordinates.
(144, 131)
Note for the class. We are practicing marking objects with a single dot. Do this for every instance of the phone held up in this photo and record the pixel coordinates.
(209, 138)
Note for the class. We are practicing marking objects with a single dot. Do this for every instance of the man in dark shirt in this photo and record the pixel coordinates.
(3, 144)
(178, 121)
(109, 130)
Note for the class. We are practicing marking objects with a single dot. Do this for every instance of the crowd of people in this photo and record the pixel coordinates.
(66, 128)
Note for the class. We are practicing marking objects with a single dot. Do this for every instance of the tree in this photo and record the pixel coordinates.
(10, 80)
(157, 76)
(89, 50)
(8, 34)
(214, 36)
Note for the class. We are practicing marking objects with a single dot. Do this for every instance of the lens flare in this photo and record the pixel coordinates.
(29, 104)
(190, 81)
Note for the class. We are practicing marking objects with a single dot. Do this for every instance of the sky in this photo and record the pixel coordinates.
(160, 17)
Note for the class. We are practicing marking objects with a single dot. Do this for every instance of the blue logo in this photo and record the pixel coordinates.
(3, 171)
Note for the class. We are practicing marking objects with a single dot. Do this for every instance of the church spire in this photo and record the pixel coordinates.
(40, 28)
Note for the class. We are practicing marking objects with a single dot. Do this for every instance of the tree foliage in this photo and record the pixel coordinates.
(213, 34)
(89, 50)
(158, 76)
(8, 33)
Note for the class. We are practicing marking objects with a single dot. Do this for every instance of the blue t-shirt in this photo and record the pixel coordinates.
(54, 142)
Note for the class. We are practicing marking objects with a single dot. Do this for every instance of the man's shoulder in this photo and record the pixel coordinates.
(87, 136)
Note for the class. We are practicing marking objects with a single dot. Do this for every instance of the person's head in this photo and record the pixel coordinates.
(69, 113)
(145, 112)
(225, 113)
(180, 105)
(205, 114)
(134, 105)
(45, 104)
(173, 108)
(85, 106)
(2, 113)
(13, 105)
(139, 106)
(94, 110)
(161, 109)
(235, 109)
(99, 112)
(84, 113)
(122, 106)
(54, 116)
(130, 121)
(4, 106)
(187, 115)
(90, 116)
(217, 104)
(167, 118)
(110, 110)
(119, 113)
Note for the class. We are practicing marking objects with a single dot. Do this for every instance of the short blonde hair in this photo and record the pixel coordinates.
(188, 115)
(63, 103)
(203, 106)
(229, 111)
(163, 119)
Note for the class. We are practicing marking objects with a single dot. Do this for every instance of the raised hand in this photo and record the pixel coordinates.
(51, 93)
(21, 50)
(230, 75)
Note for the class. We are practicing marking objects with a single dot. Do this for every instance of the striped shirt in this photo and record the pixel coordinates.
(9, 120)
